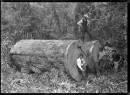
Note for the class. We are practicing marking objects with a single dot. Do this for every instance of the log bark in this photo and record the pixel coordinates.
(37, 55)
(42, 55)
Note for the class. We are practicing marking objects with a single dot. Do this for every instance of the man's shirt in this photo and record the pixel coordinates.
(91, 48)
(80, 63)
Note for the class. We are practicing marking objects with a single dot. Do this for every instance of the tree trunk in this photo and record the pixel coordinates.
(56, 17)
(40, 55)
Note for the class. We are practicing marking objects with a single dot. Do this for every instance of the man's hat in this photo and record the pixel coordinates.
(86, 15)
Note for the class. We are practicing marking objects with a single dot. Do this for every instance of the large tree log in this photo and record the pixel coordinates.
(37, 55)
(65, 51)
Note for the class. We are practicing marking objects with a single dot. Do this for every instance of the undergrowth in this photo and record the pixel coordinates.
(58, 81)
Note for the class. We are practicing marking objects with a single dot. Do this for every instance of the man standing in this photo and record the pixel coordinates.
(83, 25)
(80, 63)
(116, 59)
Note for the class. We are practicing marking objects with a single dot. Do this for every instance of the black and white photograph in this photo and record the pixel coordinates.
(64, 47)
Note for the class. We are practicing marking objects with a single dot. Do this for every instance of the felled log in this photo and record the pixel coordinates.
(25, 54)
(37, 55)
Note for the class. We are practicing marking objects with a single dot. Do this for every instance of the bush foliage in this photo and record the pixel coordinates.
(57, 20)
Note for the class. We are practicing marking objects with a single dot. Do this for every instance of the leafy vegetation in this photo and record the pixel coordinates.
(46, 20)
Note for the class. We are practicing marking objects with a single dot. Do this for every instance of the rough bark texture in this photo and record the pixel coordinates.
(40, 55)
(27, 53)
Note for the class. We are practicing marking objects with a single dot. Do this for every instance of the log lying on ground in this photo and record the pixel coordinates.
(26, 53)
(36, 55)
